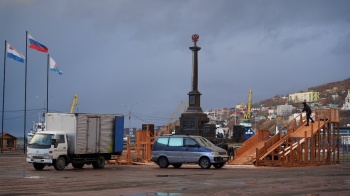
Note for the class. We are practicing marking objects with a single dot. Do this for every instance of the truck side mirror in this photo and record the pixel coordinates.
(53, 141)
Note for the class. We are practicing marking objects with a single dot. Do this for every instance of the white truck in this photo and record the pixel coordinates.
(78, 139)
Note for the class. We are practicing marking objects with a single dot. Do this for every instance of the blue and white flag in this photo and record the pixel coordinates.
(54, 67)
(12, 53)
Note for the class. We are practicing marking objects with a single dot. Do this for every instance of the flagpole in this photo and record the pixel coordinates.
(47, 83)
(3, 99)
(25, 96)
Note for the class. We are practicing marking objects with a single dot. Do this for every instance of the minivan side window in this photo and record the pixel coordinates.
(162, 141)
(175, 141)
(189, 142)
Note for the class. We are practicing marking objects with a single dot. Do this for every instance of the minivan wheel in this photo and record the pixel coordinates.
(177, 165)
(218, 165)
(163, 162)
(204, 162)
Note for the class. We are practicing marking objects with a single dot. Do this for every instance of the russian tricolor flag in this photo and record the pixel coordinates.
(36, 45)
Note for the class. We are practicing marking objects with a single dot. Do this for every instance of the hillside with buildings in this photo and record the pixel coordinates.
(330, 93)
(334, 95)
(278, 110)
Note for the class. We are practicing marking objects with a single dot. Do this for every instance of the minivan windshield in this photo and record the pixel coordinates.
(204, 142)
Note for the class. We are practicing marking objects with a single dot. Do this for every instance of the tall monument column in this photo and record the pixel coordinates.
(195, 50)
(193, 120)
(194, 96)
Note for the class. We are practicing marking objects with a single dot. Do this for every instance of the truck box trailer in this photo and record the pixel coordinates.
(78, 139)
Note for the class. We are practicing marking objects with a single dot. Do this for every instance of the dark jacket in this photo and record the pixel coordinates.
(223, 145)
(306, 108)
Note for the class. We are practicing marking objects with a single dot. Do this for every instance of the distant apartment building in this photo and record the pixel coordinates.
(284, 110)
(264, 108)
(255, 108)
(346, 105)
(335, 96)
(272, 116)
(305, 96)
(240, 105)
(271, 111)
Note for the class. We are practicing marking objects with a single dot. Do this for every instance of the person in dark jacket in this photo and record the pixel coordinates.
(307, 109)
(223, 145)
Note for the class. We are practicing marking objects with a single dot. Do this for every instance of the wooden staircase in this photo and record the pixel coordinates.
(245, 155)
(302, 145)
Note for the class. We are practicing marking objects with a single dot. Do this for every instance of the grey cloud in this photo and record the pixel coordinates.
(117, 53)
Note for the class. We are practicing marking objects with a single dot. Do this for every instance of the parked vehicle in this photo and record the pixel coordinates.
(37, 127)
(178, 149)
(78, 139)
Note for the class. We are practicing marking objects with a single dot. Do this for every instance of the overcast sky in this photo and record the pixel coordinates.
(121, 54)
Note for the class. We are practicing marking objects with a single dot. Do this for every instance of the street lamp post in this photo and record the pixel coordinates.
(130, 130)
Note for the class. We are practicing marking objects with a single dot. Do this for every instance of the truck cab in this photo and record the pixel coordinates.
(46, 149)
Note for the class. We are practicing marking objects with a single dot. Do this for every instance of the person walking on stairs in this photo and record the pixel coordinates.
(307, 109)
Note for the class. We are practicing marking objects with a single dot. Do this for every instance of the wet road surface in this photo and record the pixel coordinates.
(17, 177)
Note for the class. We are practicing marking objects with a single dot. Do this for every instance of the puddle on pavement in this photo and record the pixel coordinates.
(154, 194)
(169, 175)
(32, 177)
(180, 175)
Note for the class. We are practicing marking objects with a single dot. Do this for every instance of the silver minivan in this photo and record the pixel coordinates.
(178, 149)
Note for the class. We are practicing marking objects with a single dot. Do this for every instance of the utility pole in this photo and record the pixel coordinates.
(130, 130)
(235, 116)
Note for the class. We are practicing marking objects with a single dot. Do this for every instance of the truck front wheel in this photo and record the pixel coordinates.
(38, 166)
(100, 163)
(60, 163)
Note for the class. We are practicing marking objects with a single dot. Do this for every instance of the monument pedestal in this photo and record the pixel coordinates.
(192, 123)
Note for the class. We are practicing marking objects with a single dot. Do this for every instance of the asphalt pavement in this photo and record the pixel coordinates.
(17, 177)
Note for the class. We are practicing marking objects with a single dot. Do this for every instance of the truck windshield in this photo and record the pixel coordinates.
(40, 139)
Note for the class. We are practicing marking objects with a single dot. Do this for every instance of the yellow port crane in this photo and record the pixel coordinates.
(174, 115)
(74, 103)
(166, 129)
(249, 107)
